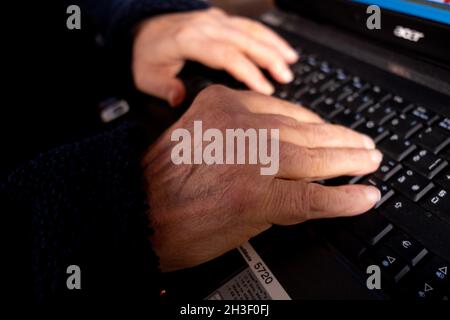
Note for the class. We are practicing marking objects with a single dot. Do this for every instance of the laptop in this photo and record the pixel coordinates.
(393, 84)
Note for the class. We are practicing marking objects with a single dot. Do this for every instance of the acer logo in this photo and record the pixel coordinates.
(408, 34)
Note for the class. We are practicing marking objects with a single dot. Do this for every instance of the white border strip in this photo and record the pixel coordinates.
(274, 288)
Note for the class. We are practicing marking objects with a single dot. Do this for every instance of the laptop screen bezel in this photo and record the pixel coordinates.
(433, 46)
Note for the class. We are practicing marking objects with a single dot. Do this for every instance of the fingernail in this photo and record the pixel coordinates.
(286, 75)
(292, 55)
(267, 88)
(175, 98)
(376, 156)
(368, 142)
(372, 194)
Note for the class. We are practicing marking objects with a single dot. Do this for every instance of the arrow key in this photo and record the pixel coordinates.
(429, 281)
(392, 266)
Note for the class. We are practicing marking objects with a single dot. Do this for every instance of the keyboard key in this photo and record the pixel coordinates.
(329, 108)
(424, 289)
(385, 189)
(358, 102)
(411, 184)
(429, 281)
(377, 133)
(433, 139)
(424, 115)
(318, 80)
(443, 179)
(380, 114)
(397, 148)
(302, 69)
(348, 118)
(445, 154)
(346, 243)
(405, 126)
(438, 203)
(387, 169)
(408, 248)
(398, 104)
(310, 98)
(337, 91)
(377, 94)
(370, 227)
(393, 267)
(426, 228)
(425, 163)
(445, 124)
(437, 270)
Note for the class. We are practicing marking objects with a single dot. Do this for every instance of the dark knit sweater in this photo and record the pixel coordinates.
(86, 199)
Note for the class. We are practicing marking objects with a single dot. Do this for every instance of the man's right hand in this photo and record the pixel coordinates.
(198, 211)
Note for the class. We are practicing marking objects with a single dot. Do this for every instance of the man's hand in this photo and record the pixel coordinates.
(199, 212)
(237, 45)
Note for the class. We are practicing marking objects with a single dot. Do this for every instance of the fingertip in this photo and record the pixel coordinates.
(368, 142)
(376, 156)
(176, 97)
(291, 55)
(372, 194)
(266, 88)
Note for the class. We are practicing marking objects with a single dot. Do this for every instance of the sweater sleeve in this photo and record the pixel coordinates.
(88, 208)
(115, 19)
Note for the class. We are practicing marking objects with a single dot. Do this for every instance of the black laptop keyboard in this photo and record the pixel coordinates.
(407, 234)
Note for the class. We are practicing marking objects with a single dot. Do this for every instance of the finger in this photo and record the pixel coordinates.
(291, 202)
(313, 135)
(164, 85)
(226, 57)
(265, 56)
(267, 36)
(323, 163)
(270, 105)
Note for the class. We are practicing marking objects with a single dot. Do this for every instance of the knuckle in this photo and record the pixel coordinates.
(184, 32)
(279, 121)
(230, 54)
(213, 91)
(217, 11)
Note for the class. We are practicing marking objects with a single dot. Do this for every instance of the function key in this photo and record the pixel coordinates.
(433, 139)
(425, 115)
(377, 133)
(397, 148)
(404, 125)
(426, 163)
(399, 104)
(380, 113)
(411, 184)
(438, 203)
(385, 189)
(358, 101)
(445, 154)
(443, 179)
(387, 169)
(377, 94)
(445, 124)
(328, 108)
(349, 118)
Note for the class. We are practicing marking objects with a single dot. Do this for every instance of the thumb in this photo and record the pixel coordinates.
(164, 86)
